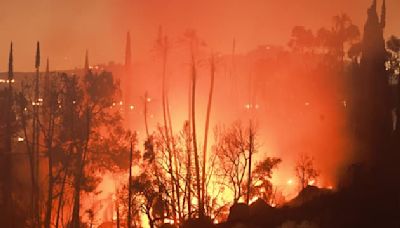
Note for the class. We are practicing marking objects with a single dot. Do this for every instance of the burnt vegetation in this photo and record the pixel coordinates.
(61, 133)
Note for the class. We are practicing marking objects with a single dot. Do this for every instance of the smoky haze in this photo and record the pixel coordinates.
(294, 116)
(67, 28)
(175, 112)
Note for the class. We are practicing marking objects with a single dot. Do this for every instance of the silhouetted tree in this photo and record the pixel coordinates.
(305, 170)
(8, 128)
(303, 40)
(232, 148)
(207, 124)
(375, 128)
(93, 113)
(261, 179)
(50, 122)
(334, 40)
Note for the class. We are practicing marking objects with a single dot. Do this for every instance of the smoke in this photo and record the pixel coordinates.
(299, 106)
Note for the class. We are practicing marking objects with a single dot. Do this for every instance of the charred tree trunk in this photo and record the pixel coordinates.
(8, 211)
(29, 147)
(35, 146)
(130, 187)
(196, 155)
(49, 140)
(166, 131)
(189, 151)
(61, 197)
(176, 164)
(146, 100)
(251, 145)
(118, 221)
(80, 174)
(210, 95)
(66, 165)
(77, 190)
(151, 220)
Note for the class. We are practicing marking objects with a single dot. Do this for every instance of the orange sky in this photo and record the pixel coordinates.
(67, 27)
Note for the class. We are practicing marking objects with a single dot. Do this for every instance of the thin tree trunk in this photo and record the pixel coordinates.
(80, 174)
(61, 196)
(210, 95)
(77, 191)
(118, 221)
(130, 187)
(29, 148)
(71, 148)
(50, 165)
(175, 160)
(36, 148)
(151, 221)
(145, 114)
(251, 139)
(166, 131)
(189, 150)
(196, 155)
(7, 165)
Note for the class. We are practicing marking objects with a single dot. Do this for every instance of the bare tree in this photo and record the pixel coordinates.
(232, 147)
(305, 170)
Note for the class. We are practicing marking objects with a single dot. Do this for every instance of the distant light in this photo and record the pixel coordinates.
(330, 187)
(290, 182)
(7, 81)
(257, 106)
(148, 99)
(120, 103)
(40, 99)
(311, 182)
(73, 102)
(131, 107)
(33, 103)
(25, 109)
(113, 104)
(247, 106)
(20, 139)
(273, 204)
(307, 104)
(59, 106)
(345, 104)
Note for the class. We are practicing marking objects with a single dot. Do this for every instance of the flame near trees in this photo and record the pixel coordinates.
(73, 129)
(78, 131)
